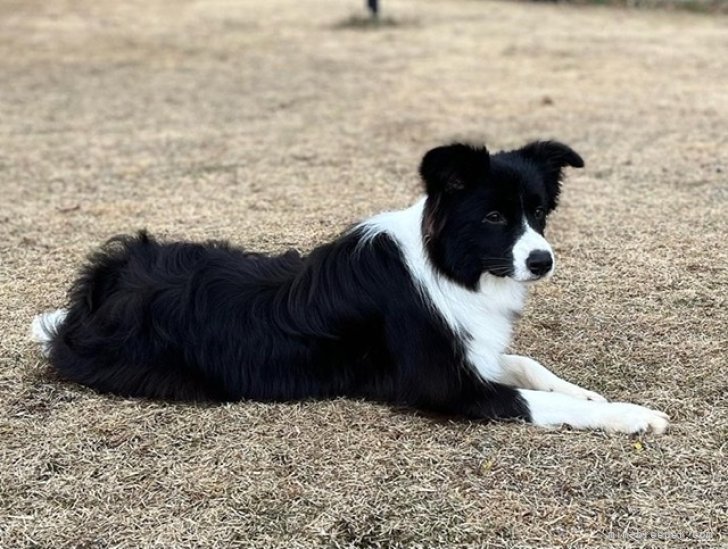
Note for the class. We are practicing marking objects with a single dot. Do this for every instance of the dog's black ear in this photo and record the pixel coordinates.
(454, 168)
(552, 157)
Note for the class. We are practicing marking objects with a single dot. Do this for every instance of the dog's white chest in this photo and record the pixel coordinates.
(484, 320)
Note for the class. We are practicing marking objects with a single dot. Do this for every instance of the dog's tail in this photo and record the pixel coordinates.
(45, 327)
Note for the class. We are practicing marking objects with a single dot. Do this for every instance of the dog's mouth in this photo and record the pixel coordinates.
(502, 269)
(507, 270)
(532, 278)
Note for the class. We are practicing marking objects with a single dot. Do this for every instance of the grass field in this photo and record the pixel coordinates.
(276, 124)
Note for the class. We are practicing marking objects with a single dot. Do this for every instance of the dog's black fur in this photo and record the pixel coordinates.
(199, 322)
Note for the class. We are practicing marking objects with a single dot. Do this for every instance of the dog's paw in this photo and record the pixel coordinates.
(579, 392)
(622, 417)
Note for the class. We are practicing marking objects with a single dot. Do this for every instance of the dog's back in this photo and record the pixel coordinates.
(209, 322)
(138, 301)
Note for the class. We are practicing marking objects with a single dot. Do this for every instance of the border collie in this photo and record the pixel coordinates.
(412, 307)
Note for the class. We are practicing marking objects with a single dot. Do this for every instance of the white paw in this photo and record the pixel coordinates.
(621, 417)
(578, 392)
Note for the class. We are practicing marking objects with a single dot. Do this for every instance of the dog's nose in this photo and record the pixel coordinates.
(539, 262)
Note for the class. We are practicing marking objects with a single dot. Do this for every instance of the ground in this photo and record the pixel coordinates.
(276, 124)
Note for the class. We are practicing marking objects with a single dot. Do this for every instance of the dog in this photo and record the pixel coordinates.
(414, 308)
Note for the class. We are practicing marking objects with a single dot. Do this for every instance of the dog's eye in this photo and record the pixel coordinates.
(495, 218)
(539, 214)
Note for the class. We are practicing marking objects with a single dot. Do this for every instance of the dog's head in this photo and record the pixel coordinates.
(487, 214)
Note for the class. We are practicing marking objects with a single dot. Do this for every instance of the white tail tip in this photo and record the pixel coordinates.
(44, 327)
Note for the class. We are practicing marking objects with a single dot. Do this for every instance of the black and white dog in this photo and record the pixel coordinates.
(412, 307)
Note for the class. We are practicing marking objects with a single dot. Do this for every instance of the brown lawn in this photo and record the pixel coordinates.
(273, 124)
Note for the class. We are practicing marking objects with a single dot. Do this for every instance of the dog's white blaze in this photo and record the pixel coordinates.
(44, 326)
(529, 241)
(483, 318)
(555, 409)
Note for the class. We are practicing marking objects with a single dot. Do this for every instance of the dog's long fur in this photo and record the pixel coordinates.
(413, 307)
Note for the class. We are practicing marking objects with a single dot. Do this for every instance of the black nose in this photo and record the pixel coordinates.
(539, 262)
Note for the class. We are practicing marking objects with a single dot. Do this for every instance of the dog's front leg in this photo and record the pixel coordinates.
(553, 401)
(556, 409)
(526, 373)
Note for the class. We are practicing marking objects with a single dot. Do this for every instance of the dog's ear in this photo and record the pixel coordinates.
(552, 157)
(454, 168)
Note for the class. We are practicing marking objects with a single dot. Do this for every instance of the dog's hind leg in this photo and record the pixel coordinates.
(526, 373)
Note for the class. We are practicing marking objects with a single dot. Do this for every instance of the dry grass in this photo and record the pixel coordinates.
(273, 124)
(698, 6)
